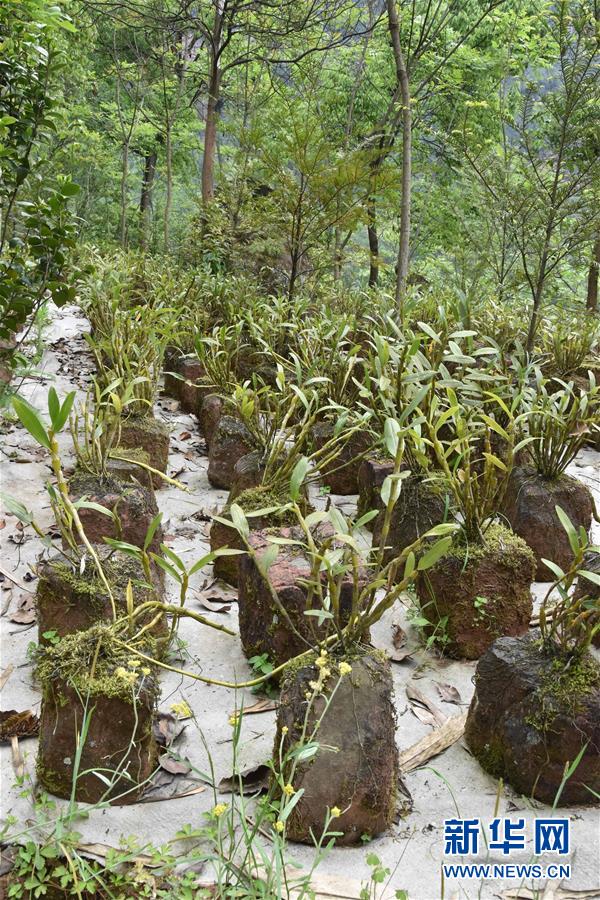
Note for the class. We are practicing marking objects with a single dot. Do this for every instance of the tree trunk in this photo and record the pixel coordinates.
(591, 302)
(123, 210)
(210, 138)
(169, 195)
(146, 197)
(373, 242)
(405, 209)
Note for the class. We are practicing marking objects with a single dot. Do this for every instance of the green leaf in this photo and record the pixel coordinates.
(569, 528)
(594, 577)
(239, 520)
(556, 569)
(30, 419)
(152, 530)
(65, 411)
(53, 407)
(17, 509)
(297, 477)
(431, 556)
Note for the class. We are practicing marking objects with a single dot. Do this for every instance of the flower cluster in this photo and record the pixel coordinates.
(181, 710)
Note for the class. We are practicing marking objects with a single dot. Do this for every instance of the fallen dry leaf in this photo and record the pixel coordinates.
(259, 707)
(448, 693)
(185, 435)
(174, 766)
(426, 711)
(5, 674)
(398, 635)
(166, 786)
(166, 728)
(400, 656)
(24, 614)
(18, 724)
(433, 743)
(250, 781)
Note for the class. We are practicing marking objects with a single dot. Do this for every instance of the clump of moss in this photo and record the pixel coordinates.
(119, 569)
(94, 664)
(563, 690)
(263, 497)
(500, 543)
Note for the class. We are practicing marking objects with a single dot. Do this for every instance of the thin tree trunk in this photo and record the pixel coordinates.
(123, 210)
(373, 242)
(169, 195)
(591, 302)
(146, 197)
(405, 208)
(210, 141)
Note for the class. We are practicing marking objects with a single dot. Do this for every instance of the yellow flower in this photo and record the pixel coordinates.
(320, 661)
(345, 668)
(219, 809)
(233, 720)
(181, 709)
(285, 729)
(325, 673)
(289, 790)
(314, 685)
(279, 825)
(129, 677)
(145, 670)
(307, 694)
(335, 812)
(133, 663)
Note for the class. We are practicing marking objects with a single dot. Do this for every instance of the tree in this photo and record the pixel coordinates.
(36, 226)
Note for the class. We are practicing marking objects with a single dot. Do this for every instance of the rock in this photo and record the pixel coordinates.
(191, 370)
(210, 410)
(128, 470)
(371, 475)
(231, 441)
(247, 473)
(341, 475)
(147, 433)
(70, 601)
(134, 505)
(477, 593)
(250, 500)
(422, 505)
(531, 715)
(361, 776)
(119, 742)
(263, 628)
(529, 507)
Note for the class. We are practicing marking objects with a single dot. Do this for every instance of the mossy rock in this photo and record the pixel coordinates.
(133, 504)
(358, 720)
(529, 507)
(533, 713)
(478, 592)
(251, 500)
(423, 503)
(69, 601)
(149, 434)
(92, 685)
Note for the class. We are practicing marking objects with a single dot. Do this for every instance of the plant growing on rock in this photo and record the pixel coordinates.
(308, 598)
(488, 559)
(540, 732)
(559, 423)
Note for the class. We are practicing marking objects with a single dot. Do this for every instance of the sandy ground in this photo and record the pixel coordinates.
(451, 783)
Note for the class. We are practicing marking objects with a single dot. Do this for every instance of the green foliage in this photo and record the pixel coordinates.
(36, 225)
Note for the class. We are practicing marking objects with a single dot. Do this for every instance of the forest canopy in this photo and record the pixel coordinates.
(312, 146)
